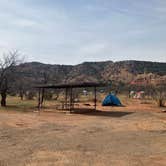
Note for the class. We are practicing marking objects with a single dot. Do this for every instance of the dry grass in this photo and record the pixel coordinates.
(125, 136)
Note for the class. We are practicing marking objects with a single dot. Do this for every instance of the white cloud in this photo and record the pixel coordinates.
(25, 23)
(76, 31)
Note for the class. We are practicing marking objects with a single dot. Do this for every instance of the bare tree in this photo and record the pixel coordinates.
(159, 94)
(7, 64)
(21, 89)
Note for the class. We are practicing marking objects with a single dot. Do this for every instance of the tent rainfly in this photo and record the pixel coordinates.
(111, 100)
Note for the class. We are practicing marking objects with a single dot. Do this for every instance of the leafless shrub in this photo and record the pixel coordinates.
(7, 64)
(159, 94)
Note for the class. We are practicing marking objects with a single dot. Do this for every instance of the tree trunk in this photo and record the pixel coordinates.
(21, 95)
(42, 96)
(3, 99)
(161, 102)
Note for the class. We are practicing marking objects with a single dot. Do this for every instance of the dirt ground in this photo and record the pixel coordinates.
(125, 136)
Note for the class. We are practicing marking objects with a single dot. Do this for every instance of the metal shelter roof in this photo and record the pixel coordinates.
(71, 85)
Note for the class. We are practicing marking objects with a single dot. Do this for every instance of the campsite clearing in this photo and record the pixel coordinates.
(117, 136)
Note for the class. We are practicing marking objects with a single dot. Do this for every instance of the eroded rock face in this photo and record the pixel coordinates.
(124, 71)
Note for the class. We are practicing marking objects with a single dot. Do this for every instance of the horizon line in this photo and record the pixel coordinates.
(93, 62)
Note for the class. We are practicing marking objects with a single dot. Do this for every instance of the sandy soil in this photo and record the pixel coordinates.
(121, 137)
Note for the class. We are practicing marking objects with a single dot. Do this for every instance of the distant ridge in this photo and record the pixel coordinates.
(121, 71)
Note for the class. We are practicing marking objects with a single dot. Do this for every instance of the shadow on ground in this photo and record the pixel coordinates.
(81, 111)
(22, 108)
(103, 113)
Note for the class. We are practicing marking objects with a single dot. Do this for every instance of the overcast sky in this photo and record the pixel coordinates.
(74, 31)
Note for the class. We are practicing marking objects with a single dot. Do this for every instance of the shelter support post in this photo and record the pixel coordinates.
(95, 98)
(71, 100)
(40, 98)
(66, 93)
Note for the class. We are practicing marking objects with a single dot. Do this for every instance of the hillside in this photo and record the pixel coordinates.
(123, 71)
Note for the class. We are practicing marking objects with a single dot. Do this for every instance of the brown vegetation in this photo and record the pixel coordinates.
(131, 135)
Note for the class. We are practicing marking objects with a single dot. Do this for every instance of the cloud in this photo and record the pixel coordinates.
(76, 31)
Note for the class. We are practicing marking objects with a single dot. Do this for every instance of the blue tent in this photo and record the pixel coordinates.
(111, 100)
